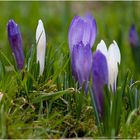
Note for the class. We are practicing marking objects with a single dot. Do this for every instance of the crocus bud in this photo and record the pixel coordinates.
(15, 41)
(82, 29)
(113, 58)
(99, 79)
(133, 36)
(82, 63)
(1, 95)
(135, 46)
(41, 45)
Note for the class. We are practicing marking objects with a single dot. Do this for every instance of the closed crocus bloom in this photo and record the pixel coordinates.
(41, 45)
(99, 79)
(113, 62)
(133, 36)
(1, 95)
(82, 29)
(15, 41)
(82, 63)
(135, 45)
(113, 59)
(81, 36)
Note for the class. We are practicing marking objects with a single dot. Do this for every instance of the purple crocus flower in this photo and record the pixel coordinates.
(99, 79)
(82, 63)
(133, 36)
(15, 41)
(82, 34)
(135, 45)
(82, 29)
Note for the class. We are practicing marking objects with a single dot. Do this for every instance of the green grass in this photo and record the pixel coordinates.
(53, 106)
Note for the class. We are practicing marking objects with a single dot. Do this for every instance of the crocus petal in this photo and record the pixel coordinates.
(82, 62)
(133, 36)
(82, 29)
(93, 26)
(116, 51)
(113, 61)
(41, 45)
(99, 79)
(102, 48)
(15, 41)
(75, 32)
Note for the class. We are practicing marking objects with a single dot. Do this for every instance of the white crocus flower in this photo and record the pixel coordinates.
(1, 95)
(41, 45)
(113, 59)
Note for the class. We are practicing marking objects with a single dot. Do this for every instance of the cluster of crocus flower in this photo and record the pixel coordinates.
(15, 40)
(103, 65)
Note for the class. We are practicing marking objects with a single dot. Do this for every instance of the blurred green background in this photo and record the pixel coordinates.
(113, 22)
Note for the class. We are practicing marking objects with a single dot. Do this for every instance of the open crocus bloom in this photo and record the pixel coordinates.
(113, 58)
(15, 40)
(41, 45)
(82, 29)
